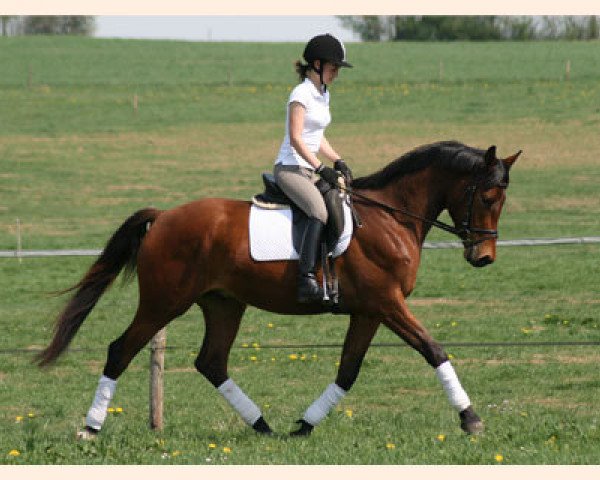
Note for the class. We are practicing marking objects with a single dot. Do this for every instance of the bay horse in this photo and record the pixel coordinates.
(198, 253)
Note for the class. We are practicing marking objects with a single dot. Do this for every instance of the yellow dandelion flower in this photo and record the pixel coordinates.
(110, 410)
(499, 458)
(31, 415)
(14, 453)
(303, 357)
(293, 356)
(244, 345)
(349, 413)
(454, 324)
(253, 359)
(226, 450)
(212, 445)
(450, 356)
(314, 356)
(270, 325)
(255, 345)
(390, 446)
(18, 419)
(119, 410)
(441, 437)
(272, 359)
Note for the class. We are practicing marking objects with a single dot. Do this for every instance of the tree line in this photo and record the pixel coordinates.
(47, 25)
(473, 27)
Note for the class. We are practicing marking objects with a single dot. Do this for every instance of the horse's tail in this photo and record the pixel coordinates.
(120, 252)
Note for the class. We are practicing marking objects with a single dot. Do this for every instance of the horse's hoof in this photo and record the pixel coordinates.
(470, 422)
(304, 431)
(260, 426)
(87, 434)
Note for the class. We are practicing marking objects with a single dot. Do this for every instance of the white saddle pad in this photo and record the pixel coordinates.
(271, 234)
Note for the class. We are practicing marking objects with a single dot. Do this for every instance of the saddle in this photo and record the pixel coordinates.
(274, 198)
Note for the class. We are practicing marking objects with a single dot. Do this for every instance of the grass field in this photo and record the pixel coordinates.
(75, 160)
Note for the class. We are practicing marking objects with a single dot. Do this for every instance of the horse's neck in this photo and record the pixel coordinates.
(422, 193)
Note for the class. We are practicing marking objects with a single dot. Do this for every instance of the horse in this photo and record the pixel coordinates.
(198, 253)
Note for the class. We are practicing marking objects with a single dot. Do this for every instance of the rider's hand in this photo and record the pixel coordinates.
(328, 174)
(344, 169)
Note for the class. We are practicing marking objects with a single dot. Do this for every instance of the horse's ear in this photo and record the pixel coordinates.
(490, 156)
(512, 159)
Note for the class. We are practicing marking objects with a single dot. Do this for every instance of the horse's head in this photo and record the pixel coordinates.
(477, 204)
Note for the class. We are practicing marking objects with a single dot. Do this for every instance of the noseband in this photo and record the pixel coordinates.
(466, 231)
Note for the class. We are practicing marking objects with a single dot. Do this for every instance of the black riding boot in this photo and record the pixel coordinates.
(308, 288)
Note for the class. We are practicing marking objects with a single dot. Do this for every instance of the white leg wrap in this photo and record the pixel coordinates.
(104, 394)
(322, 405)
(240, 401)
(456, 395)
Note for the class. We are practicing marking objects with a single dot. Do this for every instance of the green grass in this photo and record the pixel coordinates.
(72, 85)
(526, 395)
(75, 161)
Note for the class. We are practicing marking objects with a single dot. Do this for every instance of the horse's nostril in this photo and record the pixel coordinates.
(483, 261)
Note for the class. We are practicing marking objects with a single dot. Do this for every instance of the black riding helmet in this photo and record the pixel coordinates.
(325, 48)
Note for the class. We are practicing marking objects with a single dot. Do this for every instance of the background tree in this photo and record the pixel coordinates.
(370, 28)
(7, 23)
(58, 25)
(472, 27)
(593, 28)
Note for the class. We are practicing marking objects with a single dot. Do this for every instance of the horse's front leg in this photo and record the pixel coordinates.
(358, 338)
(402, 322)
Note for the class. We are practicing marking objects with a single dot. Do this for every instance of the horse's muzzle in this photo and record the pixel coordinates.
(481, 261)
(479, 255)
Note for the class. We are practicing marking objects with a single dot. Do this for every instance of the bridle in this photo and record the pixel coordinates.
(467, 229)
(465, 232)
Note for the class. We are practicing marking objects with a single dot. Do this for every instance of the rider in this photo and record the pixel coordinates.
(297, 165)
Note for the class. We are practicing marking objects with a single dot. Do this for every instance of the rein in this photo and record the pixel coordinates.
(463, 233)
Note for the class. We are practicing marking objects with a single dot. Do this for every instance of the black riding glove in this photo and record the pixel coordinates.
(328, 174)
(344, 169)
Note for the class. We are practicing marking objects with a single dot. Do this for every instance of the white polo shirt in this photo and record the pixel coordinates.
(316, 118)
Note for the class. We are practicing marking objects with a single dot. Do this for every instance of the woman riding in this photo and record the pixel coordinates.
(297, 167)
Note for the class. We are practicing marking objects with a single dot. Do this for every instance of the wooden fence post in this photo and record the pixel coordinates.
(157, 365)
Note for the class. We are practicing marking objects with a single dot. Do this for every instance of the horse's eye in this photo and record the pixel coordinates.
(491, 196)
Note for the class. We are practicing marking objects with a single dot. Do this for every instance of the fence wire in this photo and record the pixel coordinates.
(532, 242)
(308, 346)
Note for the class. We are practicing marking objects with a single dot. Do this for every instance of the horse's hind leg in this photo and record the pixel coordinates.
(146, 323)
(222, 316)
